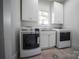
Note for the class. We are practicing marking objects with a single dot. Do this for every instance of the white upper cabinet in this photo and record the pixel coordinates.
(54, 9)
(58, 13)
(29, 10)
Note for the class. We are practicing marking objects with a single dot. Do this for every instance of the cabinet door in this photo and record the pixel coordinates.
(44, 39)
(52, 38)
(30, 10)
(58, 13)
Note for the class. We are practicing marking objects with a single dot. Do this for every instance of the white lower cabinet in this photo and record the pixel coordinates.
(47, 39)
(52, 39)
(44, 39)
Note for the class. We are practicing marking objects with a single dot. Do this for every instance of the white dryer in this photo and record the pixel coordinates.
(63, 38)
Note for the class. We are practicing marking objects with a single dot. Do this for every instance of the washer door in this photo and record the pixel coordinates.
(30, 41)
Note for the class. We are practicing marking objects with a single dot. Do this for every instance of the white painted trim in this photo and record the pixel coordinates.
(14, 56)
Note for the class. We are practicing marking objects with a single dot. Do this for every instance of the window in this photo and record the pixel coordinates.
(43, 18)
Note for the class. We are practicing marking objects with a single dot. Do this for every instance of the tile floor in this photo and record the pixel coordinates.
(52, 54)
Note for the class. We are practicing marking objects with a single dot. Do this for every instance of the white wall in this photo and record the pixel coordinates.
(7, 28)
(71, 19)
(2, 55)
(44, 5)
(11, 17)
(27, 23)
(15, 22)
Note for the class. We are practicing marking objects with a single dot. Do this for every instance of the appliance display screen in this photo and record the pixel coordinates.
(30, 41)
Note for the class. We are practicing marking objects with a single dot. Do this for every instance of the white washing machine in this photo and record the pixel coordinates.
(63, 38)
(29, 43)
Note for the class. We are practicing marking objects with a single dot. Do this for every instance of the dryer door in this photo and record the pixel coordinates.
(64, 36)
